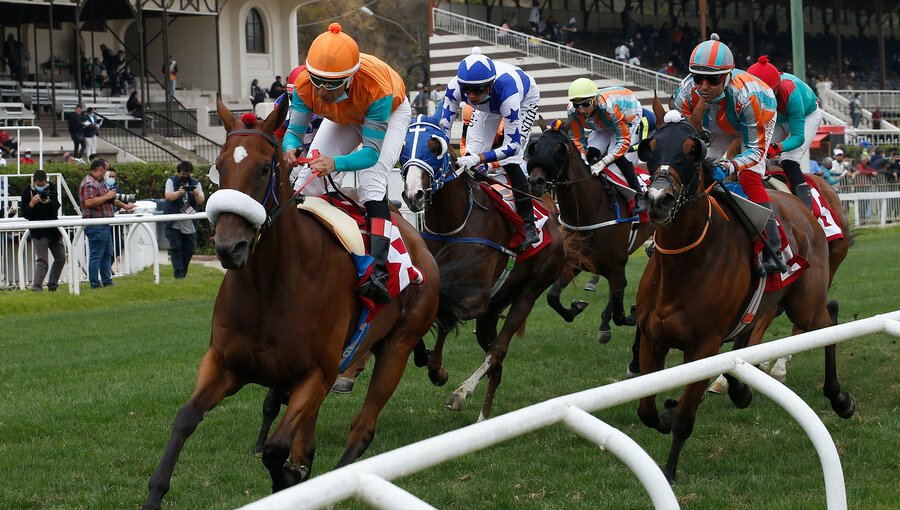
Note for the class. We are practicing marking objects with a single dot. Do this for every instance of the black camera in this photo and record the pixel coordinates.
(189, 188)
(45, 195)
(125, 197)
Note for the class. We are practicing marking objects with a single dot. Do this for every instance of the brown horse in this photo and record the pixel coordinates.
(464, 229)
(702, 276)
(285, 309)
(594, 217)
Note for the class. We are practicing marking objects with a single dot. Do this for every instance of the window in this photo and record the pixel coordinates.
(256, 34)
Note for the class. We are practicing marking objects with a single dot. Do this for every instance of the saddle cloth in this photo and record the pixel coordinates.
(614, 175)
(349, 227)
(822, 211)
(503, 199)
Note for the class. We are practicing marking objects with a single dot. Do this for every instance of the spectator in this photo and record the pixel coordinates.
(91, 126)
(8, 144)
(76, 131)
(855, 110)
(134, 106)
(257, 94)
(12, 55)
(126, 79)
(534, 17)
(863, 174)
(39, 202)
(829, 177)
(111, 182)
(170, 70)
(97, 202)
(184, 195)
(876, 118)
(437, 95)
(840, 166)
(26, 158)
(569, 31)
(276, 88)
(504, 31)
(622, 53)
(420, 102)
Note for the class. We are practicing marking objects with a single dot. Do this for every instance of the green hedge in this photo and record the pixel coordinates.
(144, 180)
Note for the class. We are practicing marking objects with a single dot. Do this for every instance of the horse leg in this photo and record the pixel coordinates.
(213, 384)
(682, 418)
(347, 378)
(577, 306)
(634, 367)
(271, 407)
(842, 402)
(652, 357)
(604, 334)
(486, 332)
(617, 284)
(517, 315)
(436, 372)
(288, 453)
(390, 362)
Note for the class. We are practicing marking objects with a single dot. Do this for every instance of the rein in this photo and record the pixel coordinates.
(710, 202)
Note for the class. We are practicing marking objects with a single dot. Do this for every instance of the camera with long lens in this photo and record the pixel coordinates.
(125, 197)
(187, 185)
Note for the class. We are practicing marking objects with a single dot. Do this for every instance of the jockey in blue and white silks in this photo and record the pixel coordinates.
(496, 91)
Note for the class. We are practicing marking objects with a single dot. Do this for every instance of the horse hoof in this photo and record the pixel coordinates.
(578, 306)
(604, 336)
(455, 402)
(719, 386)
(844, 405)
(670, 403)
(343, 385)
(630, 374)
(438, 377)
(741, 397)
(590, 287)
(295, 473)
(420, 359)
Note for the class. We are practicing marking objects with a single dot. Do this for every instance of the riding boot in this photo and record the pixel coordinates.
(773, 261)
(797, 181)
(375, 288)
(627, 168)
(525, 209)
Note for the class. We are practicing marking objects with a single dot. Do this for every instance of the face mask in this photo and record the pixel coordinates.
(40, 188)
(111, 181)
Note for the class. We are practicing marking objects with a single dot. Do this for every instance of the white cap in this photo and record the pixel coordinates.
(838, 152)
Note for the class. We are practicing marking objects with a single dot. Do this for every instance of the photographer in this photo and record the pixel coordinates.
(122, 202)
(39, 202)
(184, 195)
(97, 202)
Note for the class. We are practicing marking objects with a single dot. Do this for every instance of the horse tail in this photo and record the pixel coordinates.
(454, 291)
(573, 246)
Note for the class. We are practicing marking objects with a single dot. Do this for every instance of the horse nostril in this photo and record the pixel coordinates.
(420, 195)
(668, 201)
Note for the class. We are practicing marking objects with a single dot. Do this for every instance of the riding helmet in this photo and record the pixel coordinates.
(582, 88)
(476, 69)
(711, 57)
(333, 54)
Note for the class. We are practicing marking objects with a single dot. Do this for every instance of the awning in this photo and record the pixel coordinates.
(818, 139)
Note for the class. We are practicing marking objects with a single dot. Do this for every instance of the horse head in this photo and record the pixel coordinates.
(425, 162)
(249, 179)
(675, 156)
(548, 157)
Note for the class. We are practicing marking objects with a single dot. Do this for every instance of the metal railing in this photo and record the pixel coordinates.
(534, 46)
(368, 479)
(134, 143)
(215, 120)
(887, 100)
(173, 131)
(838, 105)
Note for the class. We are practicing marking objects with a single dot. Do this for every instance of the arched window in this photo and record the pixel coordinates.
(256, 33)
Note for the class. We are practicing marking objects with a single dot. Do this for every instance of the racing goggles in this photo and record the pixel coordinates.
(477, 90)
(324, 83)
(712, 79)
(583, 102)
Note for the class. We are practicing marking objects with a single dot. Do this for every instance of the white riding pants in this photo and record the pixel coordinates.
(800, 154)
(605, 139)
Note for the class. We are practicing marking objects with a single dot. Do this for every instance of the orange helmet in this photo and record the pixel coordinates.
(293, 77)
(333, 54)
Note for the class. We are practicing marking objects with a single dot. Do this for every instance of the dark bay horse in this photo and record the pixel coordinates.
(464, 229)
(285, 308)
(594, 217)
(701, 277)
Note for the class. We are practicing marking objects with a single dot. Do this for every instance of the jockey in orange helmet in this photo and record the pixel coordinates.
(797, 123)
(738, 106)
(363, 102)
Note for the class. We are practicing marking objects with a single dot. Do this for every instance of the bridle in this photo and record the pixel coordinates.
(562, 175)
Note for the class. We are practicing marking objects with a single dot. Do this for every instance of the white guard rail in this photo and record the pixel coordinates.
(368, 478)
(535, 46)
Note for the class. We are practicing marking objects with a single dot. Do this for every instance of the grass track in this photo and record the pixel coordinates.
(89, 386)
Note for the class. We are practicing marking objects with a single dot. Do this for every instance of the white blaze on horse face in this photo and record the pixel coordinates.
(655, 194)
(413, 182)
(239, 154)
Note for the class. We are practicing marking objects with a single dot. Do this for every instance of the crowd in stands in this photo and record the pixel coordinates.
(874, 165)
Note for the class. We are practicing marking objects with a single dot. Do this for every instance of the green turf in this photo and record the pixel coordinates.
(90, 384)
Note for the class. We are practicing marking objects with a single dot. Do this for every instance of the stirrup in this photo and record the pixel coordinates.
(531, 237)
(774, 264)
(375, 290)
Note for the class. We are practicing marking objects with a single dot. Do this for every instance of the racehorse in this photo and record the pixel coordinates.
(286, 307)
(594, 216)
(464, 227)
(702, 275)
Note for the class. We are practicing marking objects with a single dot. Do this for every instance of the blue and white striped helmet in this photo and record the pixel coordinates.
(476, 69)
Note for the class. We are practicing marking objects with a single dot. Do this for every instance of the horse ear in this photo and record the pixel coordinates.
(224, 114)
(542, 123)
(646, 148)
(697, 116)
(658, 111)
(437, 146)
(276, 117)
(694, 149)
(530, 148)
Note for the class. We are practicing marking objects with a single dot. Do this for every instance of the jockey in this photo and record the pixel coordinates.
(363, 101)
(613, 116)
(286, 96)
(738, 106)
(496, 91)
(796, 125)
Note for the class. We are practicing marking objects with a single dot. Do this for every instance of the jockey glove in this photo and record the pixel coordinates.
(602, 164)
(468, 161)
(774, 150)
(719, 173)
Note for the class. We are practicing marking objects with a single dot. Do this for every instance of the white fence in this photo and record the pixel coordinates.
(534, 46)
(368, 479)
